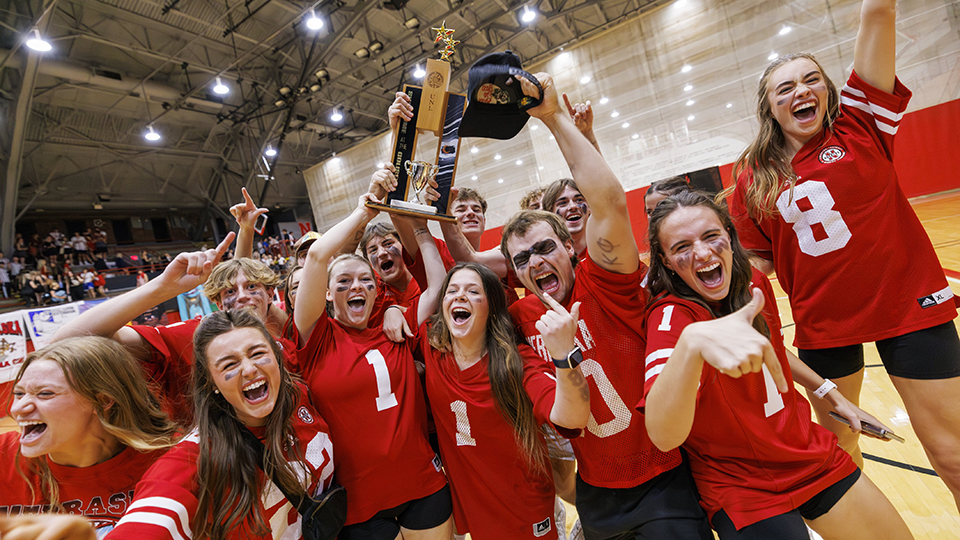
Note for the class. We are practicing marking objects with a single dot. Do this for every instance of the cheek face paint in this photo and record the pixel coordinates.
(782, 101)
(342, 288)
(683, 260)
(582, 207)
(720, 244)
(369, 287)
(229, 302)
(231, 374)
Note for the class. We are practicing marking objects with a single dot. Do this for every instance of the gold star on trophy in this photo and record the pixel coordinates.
(442, 33)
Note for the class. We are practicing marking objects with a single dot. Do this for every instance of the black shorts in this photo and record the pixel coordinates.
(931, 353)
(417, 515)
(666, 506)
(789, 525)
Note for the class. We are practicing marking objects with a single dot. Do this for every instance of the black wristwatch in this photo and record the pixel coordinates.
(572, 360)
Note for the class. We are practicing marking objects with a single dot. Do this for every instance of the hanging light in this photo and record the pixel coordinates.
(151, 135)
(314, 22)
(336, 116)
(528, 15)
(270, 151)
(36, 42)
(221, 88)
(419, 72)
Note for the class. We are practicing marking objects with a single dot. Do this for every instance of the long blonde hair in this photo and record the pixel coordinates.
(766, 157)
(105, 374)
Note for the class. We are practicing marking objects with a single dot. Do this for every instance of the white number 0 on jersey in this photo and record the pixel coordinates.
(822, 212)
(621, 414)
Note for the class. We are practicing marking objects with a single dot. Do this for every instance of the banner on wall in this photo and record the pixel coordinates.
(44, 322)
(13, 345)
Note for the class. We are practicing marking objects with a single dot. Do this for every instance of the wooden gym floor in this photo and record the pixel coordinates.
(901, 471)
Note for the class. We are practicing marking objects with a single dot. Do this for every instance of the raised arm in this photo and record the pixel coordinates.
(432, 265)
(731, 345)
(571, 404)
(610, 240)
(312, 292)
(109, 318)
(246, 214)
(875, 54)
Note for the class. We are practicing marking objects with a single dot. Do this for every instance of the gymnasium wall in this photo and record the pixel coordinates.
(654, 119)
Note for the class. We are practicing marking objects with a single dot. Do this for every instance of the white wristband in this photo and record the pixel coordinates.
(824, 389)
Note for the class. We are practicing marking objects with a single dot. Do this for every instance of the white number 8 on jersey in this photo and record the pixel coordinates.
(822, 213)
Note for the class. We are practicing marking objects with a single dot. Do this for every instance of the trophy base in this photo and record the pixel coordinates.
(416, 207)
(434, 215)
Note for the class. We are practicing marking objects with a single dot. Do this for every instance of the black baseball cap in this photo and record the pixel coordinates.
(496, 109)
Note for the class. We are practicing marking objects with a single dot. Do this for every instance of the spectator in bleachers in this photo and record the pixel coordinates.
(4, 280)
(100, 264)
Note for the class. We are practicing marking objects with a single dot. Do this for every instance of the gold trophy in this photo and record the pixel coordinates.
(438, 111)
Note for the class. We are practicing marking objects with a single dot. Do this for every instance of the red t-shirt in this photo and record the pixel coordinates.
(367, 389)
(754, 452)
(389, 296)
(102, 492)
(614, 451)
(166, 501)
(170, 367)
(495, 494)
(848, 249)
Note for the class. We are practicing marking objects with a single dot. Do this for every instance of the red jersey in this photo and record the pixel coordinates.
(102, 492)
(166, 501)
(495, 494)
(367, 389)
(848, 249)
(614, 451)
(170, 367)
(754, 452)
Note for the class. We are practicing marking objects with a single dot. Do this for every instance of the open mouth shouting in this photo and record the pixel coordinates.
(256, 391)
(356, 303)
(711, 275)
(31, 430)
(805, 112)
(547, 282)
(460, 315)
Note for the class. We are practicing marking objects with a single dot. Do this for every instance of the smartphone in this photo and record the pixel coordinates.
(870, 429)
(261, 224)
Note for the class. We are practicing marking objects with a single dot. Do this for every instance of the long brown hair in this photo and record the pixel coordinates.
(662, 281)
(766, 157)
(228, 475)
(504, 365)
(105, 374)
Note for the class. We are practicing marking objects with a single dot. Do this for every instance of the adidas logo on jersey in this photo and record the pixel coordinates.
(936, 298)
(542, 528)
(437, 464)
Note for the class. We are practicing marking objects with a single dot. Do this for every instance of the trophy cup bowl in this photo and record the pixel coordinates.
(420, 174)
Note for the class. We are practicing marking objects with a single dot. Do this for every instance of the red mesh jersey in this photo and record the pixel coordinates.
(848, 248)
(614, 451)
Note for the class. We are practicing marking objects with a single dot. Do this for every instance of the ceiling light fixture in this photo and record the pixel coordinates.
(625, 125)
(686, 68)
(315, 87)
(497, 157)
(690, 118)
(585, 79)
(36, 42)
(375, 46)
(412, 23)
(151, 135)
(221, 88)
(729, 105)
(270, 151)
(690, 102)
(604, 100)
(614, 114)
(336, 116)
(528, 15)
(474, 150)
(362, 52)
(279, 103)
(314, 22)
(285, 90)
(323, 74)
(773, 56)
(785, 30)
(519, 162)
(419, 72)
(688, 88)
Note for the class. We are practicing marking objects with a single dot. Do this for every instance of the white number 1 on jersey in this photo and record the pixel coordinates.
(385, 398)
(774, 402)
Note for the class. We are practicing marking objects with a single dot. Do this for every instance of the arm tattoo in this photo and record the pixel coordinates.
(576, 378)
(606, 245)
(424, 230)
